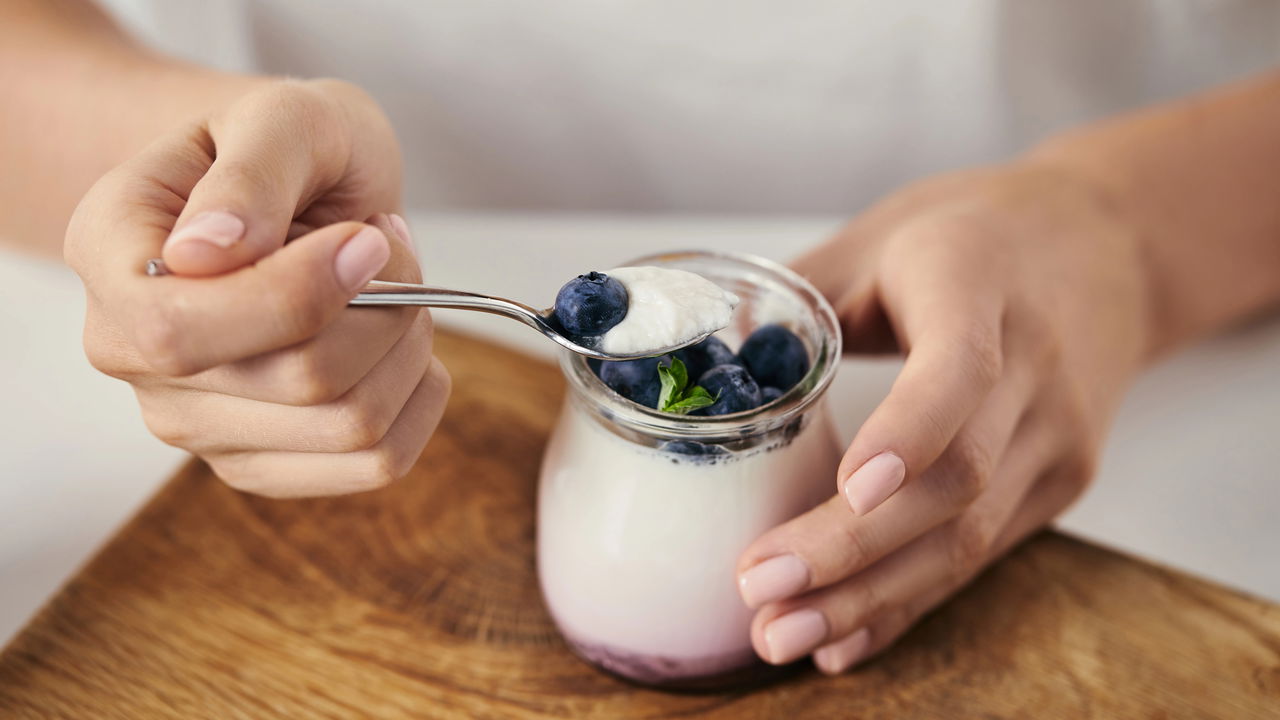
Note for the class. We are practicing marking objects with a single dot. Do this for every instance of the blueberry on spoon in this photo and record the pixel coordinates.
(590, 304)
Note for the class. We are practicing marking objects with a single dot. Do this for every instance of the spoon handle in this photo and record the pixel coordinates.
(380, 293)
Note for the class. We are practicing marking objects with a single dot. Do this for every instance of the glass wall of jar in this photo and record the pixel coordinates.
(642, 514)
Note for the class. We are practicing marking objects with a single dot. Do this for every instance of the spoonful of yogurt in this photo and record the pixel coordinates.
(624, 314)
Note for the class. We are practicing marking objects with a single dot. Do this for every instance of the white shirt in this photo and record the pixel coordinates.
(731, 106)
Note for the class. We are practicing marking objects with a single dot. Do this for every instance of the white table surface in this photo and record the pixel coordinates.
(1189, 478)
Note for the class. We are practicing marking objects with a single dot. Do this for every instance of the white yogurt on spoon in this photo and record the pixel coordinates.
(666, 307)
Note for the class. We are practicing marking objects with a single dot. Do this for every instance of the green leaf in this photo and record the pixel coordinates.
(673, 397)
(673, 378)
(696, 398)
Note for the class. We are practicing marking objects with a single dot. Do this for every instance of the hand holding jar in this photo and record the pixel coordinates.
(1018, 298)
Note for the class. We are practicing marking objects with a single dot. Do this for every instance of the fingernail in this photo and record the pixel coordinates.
(402, 229)
(842, 654)
(360, 258)
(216, 227)
(774, 579)
(874, 482)
(794, 634)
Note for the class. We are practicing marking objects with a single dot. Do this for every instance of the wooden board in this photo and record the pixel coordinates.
(420, 600)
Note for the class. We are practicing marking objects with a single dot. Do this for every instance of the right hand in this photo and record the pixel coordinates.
(248, 356)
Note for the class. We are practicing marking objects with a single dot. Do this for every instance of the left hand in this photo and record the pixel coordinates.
(1018, 295)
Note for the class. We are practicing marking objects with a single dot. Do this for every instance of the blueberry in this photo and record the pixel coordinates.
(775, 357)
(769, 394)
(693, 448)
(590, 304)
(705, 355)
(738, 391)
(595, 364)
(635, 380)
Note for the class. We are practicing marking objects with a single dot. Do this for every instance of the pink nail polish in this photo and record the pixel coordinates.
(874, 482)
(215, 227)
(402, 229)
(360, 258)
(794, 634)
(774, 579)
(841, 655)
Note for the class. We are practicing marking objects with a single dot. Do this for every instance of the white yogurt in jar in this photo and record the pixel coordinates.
(666, 307)
(637, 547)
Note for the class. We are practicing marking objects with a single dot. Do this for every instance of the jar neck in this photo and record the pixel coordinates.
(768, 292)
(592, 396)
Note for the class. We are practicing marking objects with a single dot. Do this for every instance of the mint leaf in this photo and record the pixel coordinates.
(672, 386)
(673, 397)
(696, 398)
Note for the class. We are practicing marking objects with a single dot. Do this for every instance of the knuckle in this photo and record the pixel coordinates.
(967, 547)
(161, 425)
(1040, 347)
(357, 427)
(970, 464)
(235, 474)
(311, 108)
(380, 470)
(158, 339)
(295, 309)
(249, 176)
(308, 382)
(854, 551)
(106, 348)
(1078, 470)
(866, 602)
(103, 356)
(984, 355)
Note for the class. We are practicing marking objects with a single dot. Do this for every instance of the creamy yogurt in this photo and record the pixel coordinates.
(637, 546)
(666, 307)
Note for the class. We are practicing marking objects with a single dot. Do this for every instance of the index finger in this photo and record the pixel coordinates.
(184, 325)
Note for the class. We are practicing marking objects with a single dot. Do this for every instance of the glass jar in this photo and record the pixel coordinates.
(642, 514)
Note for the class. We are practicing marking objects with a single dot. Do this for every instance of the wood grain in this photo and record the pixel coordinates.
(420, 600)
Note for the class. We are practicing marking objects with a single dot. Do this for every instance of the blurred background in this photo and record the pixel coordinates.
(544, 139)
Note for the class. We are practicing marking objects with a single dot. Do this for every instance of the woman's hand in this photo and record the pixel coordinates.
(1019, 299)
(248, 356)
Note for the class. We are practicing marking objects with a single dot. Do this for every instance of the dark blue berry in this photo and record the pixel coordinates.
(693, 448)
(736, 388)
(595, 364)
(590, 304)
(769, 394)
(775, 357)
(635, 380)
(705, 355)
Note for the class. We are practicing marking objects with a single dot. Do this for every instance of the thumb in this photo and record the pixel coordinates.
(272, 154)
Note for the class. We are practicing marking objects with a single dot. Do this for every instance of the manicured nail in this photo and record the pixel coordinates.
(794, 634)
(774, 579)
(402, 229)
(874, 482)
(360, 258)
(840, 655)
(215, 227)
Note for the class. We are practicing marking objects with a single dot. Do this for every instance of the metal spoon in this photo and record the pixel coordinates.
(380, 293)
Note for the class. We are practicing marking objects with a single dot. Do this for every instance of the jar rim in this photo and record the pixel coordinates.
(826, 359)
